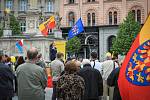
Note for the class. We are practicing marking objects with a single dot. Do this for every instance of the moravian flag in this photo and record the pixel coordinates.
(19, 45)
(76, 29)
(45, 26)
(134, 77)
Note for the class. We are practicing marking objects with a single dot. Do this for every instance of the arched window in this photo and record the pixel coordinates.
(71, 1)
(115, 17)
(71, 18)
(139, 16)
(93, 19)
(110, 40)
(110, 18)
(133, 12)
(88, 19)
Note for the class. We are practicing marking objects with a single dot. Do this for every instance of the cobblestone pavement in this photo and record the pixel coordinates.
(47, 96)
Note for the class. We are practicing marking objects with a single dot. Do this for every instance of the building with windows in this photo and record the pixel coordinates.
(101, 19)
(30, 13)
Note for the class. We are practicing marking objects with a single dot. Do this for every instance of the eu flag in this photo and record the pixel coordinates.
(76, 29)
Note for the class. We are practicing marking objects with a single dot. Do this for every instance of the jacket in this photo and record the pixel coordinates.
(113, 81)
(6, 81)
(32, 81)
(93, 82)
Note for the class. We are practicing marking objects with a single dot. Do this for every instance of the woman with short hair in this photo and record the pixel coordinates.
(70, 86)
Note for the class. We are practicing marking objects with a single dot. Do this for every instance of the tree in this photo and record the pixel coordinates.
(14, 25)
(1, 28)
(128, 31)
(73, 45)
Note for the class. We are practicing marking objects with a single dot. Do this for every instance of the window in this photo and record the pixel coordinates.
(9, 4)
(115, 17)
(110, 18)
(133, 12)
(50, 6)
(23, 5)
(88, 19)
(71, 1)
(110, 40)
(71, 18)
(23, 25)
(91, 19)
(137, 15)
(90, 0)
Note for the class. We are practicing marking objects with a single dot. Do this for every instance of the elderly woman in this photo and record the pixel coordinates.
(70, 86)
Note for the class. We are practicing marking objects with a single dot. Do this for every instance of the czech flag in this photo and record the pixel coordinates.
(19, 45)
(134, 77)
(45, 26)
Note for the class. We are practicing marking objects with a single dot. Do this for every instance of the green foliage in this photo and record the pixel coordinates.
(73, 45)
(126, 35)
(14, 25)
(1, 30)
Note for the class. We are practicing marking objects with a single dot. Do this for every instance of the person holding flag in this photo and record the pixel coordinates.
(134, 77)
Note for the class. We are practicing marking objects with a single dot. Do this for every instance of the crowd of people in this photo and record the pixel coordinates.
(87, 79)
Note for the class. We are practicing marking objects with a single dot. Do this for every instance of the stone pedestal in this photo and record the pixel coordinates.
(58, 34)
(7, 32)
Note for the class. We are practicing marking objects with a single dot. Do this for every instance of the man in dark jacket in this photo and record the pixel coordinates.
(93, 81)
(112, 80)
(6, 81)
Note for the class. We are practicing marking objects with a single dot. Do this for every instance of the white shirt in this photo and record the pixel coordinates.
(108, 67)
(98, 65)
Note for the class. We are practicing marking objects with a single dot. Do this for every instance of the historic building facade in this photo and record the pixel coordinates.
(30, 13)
(101, 19)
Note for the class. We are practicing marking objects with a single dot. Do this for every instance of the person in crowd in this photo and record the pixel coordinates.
(57, 67)
(93, 81)
(40, 61)
(20, 60)
(8, 62)
(107, 67)
(70, 86)
(53, 51)
(112, 80)
(6, 80)
(31, 78)
(95, 63)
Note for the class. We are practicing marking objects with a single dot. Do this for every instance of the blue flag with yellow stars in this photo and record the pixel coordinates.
(76, 29)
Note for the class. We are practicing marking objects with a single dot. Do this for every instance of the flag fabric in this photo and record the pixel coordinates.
(19, 45)
(76, 29)
(45, 26)
(134, 77)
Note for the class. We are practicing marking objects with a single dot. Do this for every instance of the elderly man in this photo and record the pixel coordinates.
(57, 67)
(31, 78)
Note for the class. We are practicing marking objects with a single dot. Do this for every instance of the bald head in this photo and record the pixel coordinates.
(32, 53)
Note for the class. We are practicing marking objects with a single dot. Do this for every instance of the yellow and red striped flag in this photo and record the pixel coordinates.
(45, 26)
(134, 77)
